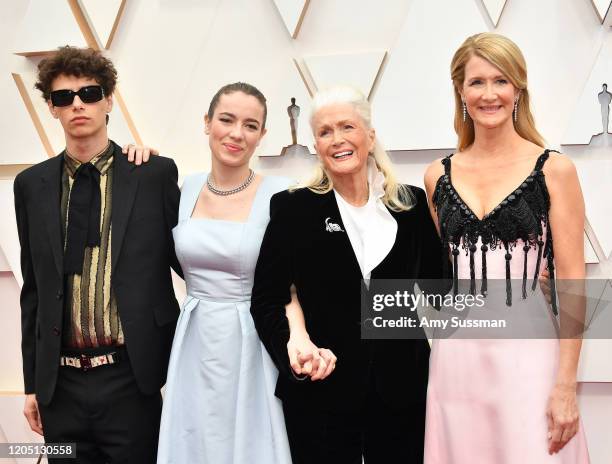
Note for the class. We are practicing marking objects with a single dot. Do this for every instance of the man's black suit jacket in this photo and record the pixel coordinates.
(297, 249)
(145, 209)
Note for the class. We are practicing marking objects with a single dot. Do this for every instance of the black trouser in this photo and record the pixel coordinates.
(377, 431)
(104, 413)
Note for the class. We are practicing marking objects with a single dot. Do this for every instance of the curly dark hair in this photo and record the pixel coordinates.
(239, 87)
(78, 62)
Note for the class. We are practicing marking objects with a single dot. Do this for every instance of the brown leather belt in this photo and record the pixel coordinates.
(85, 362)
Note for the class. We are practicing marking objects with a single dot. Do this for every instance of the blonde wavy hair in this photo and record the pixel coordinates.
(504, 54)
(397, 197)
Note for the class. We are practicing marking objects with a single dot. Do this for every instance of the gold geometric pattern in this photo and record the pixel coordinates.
(494, 9)
(9, 242)
(103, 17)
(40, 35)
(603, 9)
(592, 243)
(27, 100)
(84, 26)
(292, 13)
(360, 70)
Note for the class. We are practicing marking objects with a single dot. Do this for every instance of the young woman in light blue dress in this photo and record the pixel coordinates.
(219, 405)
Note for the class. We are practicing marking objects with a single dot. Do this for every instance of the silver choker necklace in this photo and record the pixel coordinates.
(240, 188)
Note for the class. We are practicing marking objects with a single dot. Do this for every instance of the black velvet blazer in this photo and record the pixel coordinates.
(297, 249)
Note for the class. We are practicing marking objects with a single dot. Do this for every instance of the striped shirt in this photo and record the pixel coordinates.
(90, 308)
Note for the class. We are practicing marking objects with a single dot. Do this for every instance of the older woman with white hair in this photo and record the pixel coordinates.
(352, 222)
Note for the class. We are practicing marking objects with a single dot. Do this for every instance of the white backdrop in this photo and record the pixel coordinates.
(172, 55)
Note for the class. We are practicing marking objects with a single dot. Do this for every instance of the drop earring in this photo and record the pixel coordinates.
(464, 112)
(516, 110)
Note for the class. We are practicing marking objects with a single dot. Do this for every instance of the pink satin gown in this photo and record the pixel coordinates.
(487, 398)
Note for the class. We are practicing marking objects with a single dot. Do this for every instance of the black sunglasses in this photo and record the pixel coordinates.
(88, 94)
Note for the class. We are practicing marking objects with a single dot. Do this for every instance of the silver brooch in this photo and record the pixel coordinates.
(331, 227)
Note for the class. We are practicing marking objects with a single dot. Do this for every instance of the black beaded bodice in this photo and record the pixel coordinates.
(521, 218)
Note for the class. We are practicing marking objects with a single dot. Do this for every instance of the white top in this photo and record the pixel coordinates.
(371, 228)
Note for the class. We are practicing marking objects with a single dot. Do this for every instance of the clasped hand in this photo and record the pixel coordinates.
(306, 358)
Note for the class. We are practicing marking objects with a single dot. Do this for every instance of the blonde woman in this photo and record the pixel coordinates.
(497, 202)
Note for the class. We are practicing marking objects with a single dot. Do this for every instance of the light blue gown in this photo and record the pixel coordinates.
(219, 405)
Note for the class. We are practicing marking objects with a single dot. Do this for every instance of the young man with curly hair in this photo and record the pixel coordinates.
(97, 304)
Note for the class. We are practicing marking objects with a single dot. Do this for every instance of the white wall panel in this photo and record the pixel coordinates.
(355, 69)
(560, 40)
(50, 125)
(589, 253)
(168, 100)
(46, 25)
(4, 265)
(586, 117)
(349, 26)
(595, 365)
(14, 425)
(11, 375)
(9, 240)
(24, 145)
(413, 105)
(595, 405)
(596, 195)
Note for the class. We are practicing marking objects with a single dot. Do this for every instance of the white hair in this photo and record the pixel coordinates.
(397, 197)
